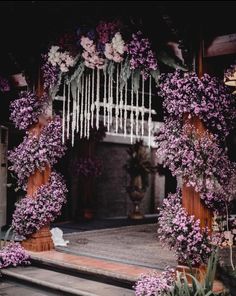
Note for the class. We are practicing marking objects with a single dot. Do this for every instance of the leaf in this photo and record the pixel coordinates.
(125, 73)
(155, 75)
(136, 79)
(110, 68)
(170, 60)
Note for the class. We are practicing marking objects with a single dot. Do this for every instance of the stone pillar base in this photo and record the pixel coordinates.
(39, 241)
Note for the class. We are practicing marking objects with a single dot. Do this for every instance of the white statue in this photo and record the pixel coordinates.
(57, 237)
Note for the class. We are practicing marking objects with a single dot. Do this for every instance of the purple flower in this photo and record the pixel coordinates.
(182, 232)
(26, 109)
(141, 55)
(4, 84)
(12, 255)
(34, 212)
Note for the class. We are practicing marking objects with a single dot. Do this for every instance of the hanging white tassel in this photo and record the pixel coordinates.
(125, 113)
(117, 98)
(111, 100)
(92, 103)
(121, 106)
(88, 109)
(142, 105)
(132, 106)
(137, 113)
(98, 99)
(73, 123)
(85, 106)
(78, 107)
(63, 113)
(105, 99)
(82, 107)
(68, 113)
(150, 111)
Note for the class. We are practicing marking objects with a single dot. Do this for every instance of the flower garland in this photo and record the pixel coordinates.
(206, 97)
(182, 232)
(12, 255)
(200, 161)
(26, 109)
(33, 212)
(99, 48)
(36, 153)
(157, 284)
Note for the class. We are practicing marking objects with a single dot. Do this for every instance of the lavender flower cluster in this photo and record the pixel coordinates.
(155, 283)
(141, 55)
(50, 73)
(12, 255)
(200, 161)
(182, 233)
(4, 84)
(35, 153)
(26, 109)
(88, 167)
(208, 98)
(34, 212)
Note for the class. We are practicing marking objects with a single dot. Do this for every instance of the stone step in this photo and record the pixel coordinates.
(107, 271)
(62, 283)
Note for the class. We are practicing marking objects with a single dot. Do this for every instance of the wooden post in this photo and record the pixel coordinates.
(42, 239)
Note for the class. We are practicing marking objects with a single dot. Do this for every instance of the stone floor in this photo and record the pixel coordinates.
(137, 245)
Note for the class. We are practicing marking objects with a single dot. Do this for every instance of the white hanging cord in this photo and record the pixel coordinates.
(137, 112)
(86, 106)
(132, 104)
(88, 109)
(117, 98)
(73, 123)
(78, 106)
(105, 98)
(121, 106)
(68, 112)
(150, 110)
(125, 113)
(142, 105)
(63, 113)
(92, 103)
(82, 107)
(98, 98)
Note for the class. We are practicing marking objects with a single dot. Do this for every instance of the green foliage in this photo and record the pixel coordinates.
(183, 288)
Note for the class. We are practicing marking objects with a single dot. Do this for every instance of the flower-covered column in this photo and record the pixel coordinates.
(199, 114)
(31, 163)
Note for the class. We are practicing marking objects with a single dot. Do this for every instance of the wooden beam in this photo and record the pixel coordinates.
(220, 45)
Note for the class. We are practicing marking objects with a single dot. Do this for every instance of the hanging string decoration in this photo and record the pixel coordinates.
(105, 78)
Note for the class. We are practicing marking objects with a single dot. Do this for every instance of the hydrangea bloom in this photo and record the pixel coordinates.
(141, 54)
(158, 284)
(182, 233)
(12, 255)
(115, 50)
(34, 212)
(26, 109)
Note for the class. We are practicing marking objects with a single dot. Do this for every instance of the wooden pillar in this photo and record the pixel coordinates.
(42, 239)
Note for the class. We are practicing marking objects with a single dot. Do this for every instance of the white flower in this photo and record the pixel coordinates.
(118, 43)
